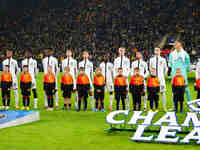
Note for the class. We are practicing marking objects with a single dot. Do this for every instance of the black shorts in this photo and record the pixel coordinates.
(83, 94)
(50, 91)
(98, 95)
(67, 93)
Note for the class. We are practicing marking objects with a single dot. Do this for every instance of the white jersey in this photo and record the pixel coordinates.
(32, 66)
(143, 67)
(13, 69)
(88, 65)
(107, 71)
(52, 61)
(13, 66)
(124, 63)
(198, 70)
(72, 63)
(160, 64)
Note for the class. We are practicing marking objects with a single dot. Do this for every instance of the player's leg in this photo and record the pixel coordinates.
(85, 101)
(34, 94)
(134, 101)
(117, 97)
(3, 99)
(187, 91)
(163, 94)
(102, 102)
(15, 87)
(110, 89)
(8, 99)
(145, 98)
(156, 102)
(139, 102)
(56, 95)
(123, 98)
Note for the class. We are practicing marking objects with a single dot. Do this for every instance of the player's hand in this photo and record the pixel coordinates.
(90, 93)
(162, 87)
(126, 92)
(75, 90)
(29, 90)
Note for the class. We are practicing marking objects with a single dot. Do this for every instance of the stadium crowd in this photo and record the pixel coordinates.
(100, 27)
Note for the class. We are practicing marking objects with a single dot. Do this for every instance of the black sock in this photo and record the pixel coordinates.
(151, 103)
(65, 105)
(85, 103)
(97, 104)
(118, 103)
(24, 101)
(102, 104)
(28, 101)
(181, 106)
(8, 101)
(4, 101)
(79, 104)
(123, 104)
(49, 101)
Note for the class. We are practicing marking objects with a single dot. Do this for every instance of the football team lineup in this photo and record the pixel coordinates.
(147, 81)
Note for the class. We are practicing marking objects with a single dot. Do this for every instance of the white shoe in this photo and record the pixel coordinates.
(35, 107)
(2, 107)
(7, 107)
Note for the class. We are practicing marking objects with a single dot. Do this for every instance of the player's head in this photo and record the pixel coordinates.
(48, 51)
(153, 71)
(178, 71)
(85, 54)
(6, 69)
(9, 53)
(157, 51)
(138, 55)
(67, 69)
(98, 70)
(136, 71)
(28, 53)
(49, 69)
(81, 70)
(178, 45)
(120, 71)
(122, 51)
(105, 58)
(25, 68)
(68, 52)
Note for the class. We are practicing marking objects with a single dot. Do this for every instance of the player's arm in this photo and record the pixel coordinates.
(187, 62)
(170, 60)
(17, 69)
(165, 66)
(115, 68)
(35, 68)
(128, 67)
(56, 67)
(112, 72)
(146, 71)
(197, 70)
(91, 73)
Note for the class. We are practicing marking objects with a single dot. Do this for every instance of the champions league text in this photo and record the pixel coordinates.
(168, 125)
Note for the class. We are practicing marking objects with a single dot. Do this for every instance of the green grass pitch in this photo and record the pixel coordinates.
(71, 130)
